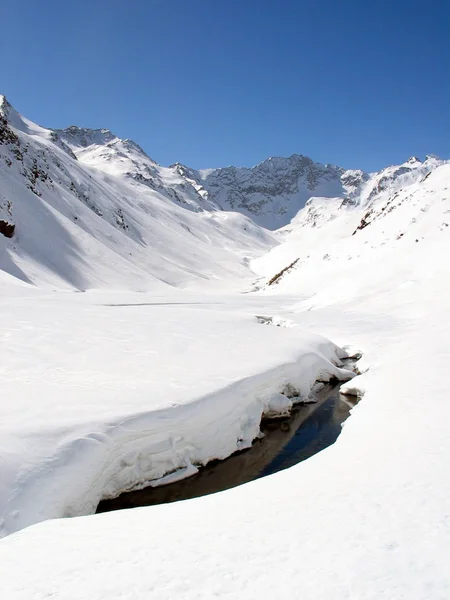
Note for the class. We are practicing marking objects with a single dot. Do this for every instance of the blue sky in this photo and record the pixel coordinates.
(212, 82)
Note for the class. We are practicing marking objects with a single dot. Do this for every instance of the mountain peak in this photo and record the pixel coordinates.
(80, 139)
(285, 160)
(8, 112)
(84, 137)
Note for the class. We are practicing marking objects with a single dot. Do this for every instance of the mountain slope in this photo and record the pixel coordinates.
(272, 192)
(98, 212)
(83, 208)
(397, 234)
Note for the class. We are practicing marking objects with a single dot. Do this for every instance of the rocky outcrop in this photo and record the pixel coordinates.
(7, 229)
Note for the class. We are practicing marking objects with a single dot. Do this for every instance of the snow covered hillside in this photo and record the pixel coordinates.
(273, 192)
(85, 209)
(402, 219)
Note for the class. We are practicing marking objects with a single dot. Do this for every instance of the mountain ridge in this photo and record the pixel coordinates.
(106, 215)
(271, 192)
(84, 208)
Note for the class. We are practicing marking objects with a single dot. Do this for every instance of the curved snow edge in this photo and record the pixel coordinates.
(146, 447)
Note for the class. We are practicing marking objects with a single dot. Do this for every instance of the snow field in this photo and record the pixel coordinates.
(365, 518)
(102, 396)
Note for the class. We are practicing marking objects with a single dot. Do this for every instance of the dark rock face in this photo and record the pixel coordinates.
(7, 229)
(278, 276)
(7, 136)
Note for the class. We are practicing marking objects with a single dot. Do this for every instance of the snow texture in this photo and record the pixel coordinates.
(130, 389)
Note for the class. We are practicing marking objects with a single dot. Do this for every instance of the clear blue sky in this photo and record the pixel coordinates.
(213, 82)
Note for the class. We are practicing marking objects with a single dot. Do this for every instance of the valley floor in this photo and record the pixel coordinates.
(107, 380)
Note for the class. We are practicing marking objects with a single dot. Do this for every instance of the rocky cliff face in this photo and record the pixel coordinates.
(272, 192)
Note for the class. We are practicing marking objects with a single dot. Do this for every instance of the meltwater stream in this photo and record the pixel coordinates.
(308, 430)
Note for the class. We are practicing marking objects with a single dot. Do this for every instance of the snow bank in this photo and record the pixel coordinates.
(103, 395)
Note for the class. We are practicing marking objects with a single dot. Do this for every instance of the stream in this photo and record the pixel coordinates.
(287, 441)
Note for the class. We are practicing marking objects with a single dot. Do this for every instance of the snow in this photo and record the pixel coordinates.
(366, 518)
(112, 218)
(118, 390)
(272, 192)
(111, 389)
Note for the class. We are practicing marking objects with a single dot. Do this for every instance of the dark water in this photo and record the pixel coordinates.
(286, 442)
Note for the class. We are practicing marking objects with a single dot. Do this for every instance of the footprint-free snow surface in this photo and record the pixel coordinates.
(104, 391)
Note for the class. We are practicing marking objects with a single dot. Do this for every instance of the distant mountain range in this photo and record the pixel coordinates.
(83, 208)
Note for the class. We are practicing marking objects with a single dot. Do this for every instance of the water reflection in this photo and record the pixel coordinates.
(309, 429)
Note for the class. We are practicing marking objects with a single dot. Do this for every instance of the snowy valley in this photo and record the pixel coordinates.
(153, 314)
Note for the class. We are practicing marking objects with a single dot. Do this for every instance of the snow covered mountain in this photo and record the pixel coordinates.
(403, 214)
(272, 192)
(83, 208)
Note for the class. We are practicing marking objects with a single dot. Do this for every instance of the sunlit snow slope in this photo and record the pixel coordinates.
(400, 226)
(82, 209)
(91, 210)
